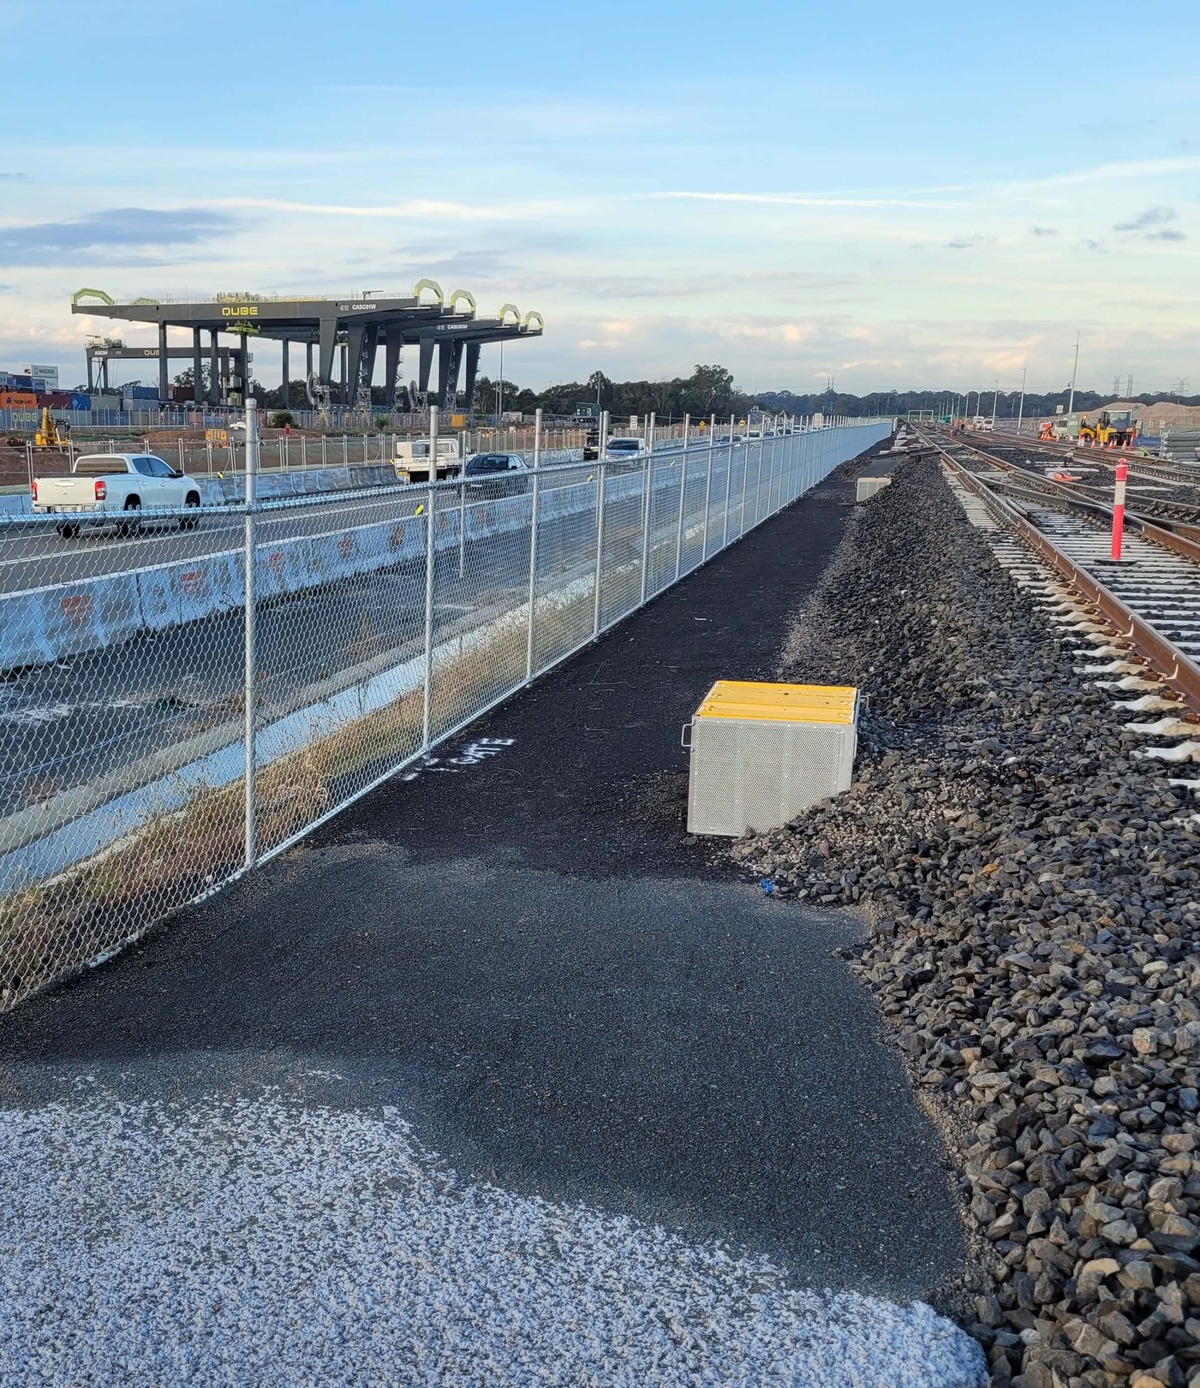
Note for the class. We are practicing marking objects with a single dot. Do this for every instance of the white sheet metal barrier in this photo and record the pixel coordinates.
(139, 746)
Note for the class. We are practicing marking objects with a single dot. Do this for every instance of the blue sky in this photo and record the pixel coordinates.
(893, 195)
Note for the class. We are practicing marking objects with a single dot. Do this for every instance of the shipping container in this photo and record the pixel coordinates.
(80, 401)
(56, 399)
(18, 400)
(20, 382)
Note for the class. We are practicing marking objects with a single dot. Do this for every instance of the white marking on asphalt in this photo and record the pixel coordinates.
(469, 754)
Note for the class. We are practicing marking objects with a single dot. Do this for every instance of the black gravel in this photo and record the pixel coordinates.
(1033, 893)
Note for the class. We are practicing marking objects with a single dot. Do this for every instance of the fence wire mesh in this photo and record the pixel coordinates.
(139, 684)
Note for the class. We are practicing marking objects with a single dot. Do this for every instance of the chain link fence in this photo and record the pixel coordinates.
(186, 691)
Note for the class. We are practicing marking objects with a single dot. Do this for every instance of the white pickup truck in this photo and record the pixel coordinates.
(115, 489)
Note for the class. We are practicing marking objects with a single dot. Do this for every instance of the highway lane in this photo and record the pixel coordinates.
(33, 555)
(66, 724)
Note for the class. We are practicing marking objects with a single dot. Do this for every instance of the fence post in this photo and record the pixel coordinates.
(687, 419)
(533, 539)
(648, 486)
(772, 477)
(249, 690)
(788, 472)
(462, 517)
(427, 710)
(728, 485)
(708, 496)
(757, 484)
(745, 479)
(599, 541)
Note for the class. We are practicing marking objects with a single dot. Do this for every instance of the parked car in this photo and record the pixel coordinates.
(115, 489)
(497, 474)
(624, 451)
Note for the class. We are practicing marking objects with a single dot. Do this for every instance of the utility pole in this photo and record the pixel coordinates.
(1021, 415)
(995, 397)
(1129, 387)
(1074, 371)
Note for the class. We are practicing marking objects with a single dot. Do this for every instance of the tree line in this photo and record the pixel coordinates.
(711, 390)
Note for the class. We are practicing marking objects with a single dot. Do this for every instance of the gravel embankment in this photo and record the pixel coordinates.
(265, 1243)
(1033, 893)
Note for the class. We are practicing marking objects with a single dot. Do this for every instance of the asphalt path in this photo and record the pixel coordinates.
(524, 955)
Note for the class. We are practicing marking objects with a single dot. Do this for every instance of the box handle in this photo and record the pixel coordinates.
(685, 736)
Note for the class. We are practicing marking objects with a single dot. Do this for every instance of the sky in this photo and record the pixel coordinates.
(928, 195)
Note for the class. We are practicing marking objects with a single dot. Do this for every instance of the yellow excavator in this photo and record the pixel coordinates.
(48, 434)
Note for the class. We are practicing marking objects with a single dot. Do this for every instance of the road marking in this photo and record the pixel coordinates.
(472, 753)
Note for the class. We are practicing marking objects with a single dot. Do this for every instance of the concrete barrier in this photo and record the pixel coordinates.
(43, 625)
(172, 595)
(57, 837)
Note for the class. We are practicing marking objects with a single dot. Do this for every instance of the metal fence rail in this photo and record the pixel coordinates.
(181, 700)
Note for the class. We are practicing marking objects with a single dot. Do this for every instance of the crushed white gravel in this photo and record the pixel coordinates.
(267, 1243)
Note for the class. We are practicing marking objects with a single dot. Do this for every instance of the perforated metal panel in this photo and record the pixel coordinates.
(867, 487)
(758, 773)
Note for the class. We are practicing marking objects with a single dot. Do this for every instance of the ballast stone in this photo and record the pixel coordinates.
(1031, 886)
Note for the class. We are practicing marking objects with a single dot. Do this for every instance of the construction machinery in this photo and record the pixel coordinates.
(48, 435)
(1113, 429)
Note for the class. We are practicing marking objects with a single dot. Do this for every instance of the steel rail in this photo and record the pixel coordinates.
(1175, 667)
(1152, 468)
(1178, 536)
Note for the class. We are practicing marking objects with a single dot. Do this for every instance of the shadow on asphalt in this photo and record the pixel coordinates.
(527, 956)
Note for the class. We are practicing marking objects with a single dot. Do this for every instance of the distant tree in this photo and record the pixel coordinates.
(187, 376)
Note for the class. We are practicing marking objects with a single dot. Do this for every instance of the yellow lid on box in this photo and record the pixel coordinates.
(787, 703)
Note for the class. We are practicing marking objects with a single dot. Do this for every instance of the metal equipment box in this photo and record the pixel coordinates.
(763, 753)
(867, 487)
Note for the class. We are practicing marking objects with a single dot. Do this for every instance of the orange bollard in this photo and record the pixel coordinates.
(1118, 515)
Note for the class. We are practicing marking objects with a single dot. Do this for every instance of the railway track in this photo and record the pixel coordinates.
(1136, 622)
(1151, 470)
(1180, 516)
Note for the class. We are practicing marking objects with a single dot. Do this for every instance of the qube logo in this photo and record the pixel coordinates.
(240, 311)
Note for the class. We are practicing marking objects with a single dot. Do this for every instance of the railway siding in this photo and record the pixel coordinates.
(1022, 836)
